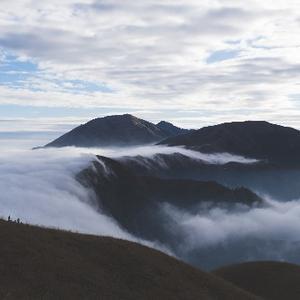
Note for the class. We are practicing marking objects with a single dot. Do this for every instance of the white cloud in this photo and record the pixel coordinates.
(277, 221)
(40, 188)
(153, 55)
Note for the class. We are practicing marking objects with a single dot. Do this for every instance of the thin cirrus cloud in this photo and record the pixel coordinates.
(218, 56)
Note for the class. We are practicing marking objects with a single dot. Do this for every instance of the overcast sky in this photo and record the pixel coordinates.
(188, 61)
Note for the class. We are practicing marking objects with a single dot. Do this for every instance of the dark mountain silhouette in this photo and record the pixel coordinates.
(270, 280)
(39, 263)
(171, 129)
(136, 202)
(119, 130)
(278, 181)
(257, 139)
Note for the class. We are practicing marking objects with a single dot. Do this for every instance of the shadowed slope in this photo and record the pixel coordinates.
(171, 129)
(38, 263)
(118, 130)
(136, 202)
(270, 280)
(256, 139)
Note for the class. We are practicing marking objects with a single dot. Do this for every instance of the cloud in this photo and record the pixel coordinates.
(152, 151)
(152, 54)
(39, 186)
(278, 221)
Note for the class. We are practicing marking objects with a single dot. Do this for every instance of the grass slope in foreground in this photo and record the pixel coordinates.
(271, 280)
(38, 263)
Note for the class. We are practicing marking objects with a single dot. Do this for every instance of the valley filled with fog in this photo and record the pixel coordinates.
(46, 187)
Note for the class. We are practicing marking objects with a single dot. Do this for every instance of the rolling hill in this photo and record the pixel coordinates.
(268, 279)
(39, 263)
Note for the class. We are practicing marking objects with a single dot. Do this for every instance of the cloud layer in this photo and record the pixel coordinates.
(278, 221)
(39, 188)
(226, 58)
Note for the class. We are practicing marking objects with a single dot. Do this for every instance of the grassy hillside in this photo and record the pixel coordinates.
(38, 263)
(270, 280)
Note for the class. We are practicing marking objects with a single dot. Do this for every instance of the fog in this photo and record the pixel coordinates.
(152, 150)
(275, 221)
(39, 187)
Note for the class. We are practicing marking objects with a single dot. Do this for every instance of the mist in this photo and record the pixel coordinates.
(39, 187)
(151, 151)
(278, 220)
(219, 236)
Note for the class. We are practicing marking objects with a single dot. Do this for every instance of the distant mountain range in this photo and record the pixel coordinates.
(118, 130)
(278, 180)
(255, 139)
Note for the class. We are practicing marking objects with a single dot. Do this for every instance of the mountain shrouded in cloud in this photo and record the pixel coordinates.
(118, 130)
(255, 139)
(160, 196)
(269, 166)
(210, 195)
(136, 201)
(202, 222)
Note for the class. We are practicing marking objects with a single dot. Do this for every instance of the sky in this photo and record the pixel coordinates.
(195, 63)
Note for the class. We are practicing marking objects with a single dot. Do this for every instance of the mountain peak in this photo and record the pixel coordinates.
(171, 129)
(116, 130)
(124, 117)
(162, 123)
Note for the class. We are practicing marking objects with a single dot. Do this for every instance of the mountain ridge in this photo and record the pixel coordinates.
(116, 130)
(255, 139)
(171, 129)
(136, 202)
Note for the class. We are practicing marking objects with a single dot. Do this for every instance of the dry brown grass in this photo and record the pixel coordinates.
(39, 263)
(270, 280)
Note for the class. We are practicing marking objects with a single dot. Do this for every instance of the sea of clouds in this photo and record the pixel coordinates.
(39, 187)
